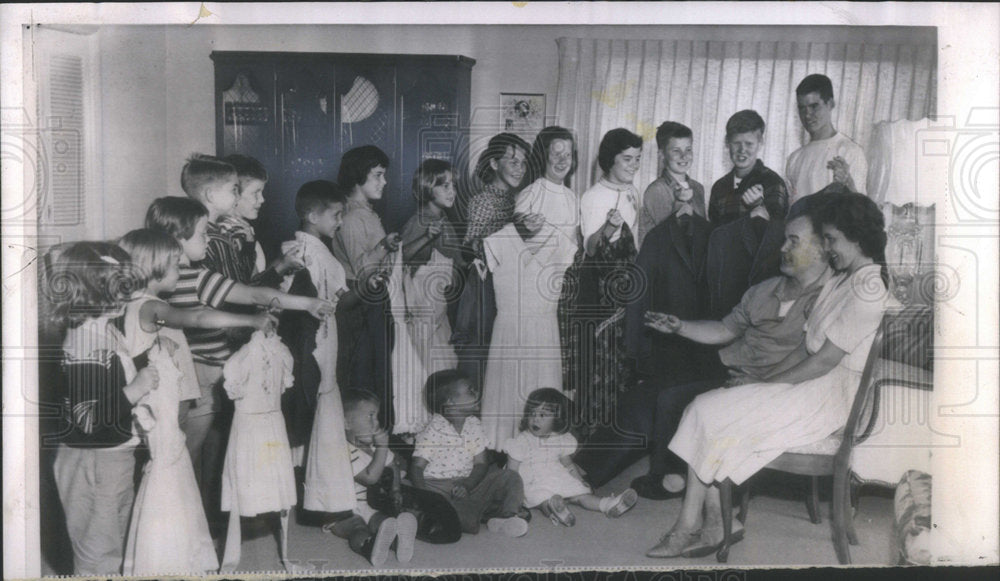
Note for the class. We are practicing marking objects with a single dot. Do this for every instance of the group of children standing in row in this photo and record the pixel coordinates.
(164, 328)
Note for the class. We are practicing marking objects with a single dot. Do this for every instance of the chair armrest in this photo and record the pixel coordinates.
(896, 373)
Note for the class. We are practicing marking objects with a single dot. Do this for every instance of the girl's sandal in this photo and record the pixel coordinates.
(558, 513)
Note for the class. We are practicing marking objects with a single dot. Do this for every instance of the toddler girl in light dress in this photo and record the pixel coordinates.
(542, 454)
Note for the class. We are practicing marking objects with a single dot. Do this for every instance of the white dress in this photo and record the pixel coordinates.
(168, 533)
(540, 469)
(257, 476)
(524, 350)
(329, 484)
(423, 334)
(733, 433)
(556, 202)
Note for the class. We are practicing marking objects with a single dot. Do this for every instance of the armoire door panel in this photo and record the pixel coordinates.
(299, 112)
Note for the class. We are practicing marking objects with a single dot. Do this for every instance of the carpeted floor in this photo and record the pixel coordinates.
(778, 533)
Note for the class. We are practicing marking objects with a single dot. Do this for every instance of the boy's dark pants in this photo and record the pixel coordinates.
(357, 532)
(437, 520)
(499, 494)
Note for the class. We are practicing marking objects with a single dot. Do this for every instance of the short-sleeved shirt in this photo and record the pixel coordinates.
(200, 287)
(659, 201)
(806, 168)
(95, 370)
(448, 453)
(602, 197)
(847, 313)
(356, 239)
(359, 461)
(765, 337)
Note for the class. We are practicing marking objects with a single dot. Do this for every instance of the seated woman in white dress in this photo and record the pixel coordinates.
(734, 432)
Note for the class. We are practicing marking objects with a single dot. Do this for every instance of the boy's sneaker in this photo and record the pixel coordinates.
(620, 504)
(513, 526)
(406, 533)
(377, 547)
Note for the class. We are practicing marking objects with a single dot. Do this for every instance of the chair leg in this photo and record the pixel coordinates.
(812, 501)
(852, 491)
(744, 503)
(726, 498)
(840, 508)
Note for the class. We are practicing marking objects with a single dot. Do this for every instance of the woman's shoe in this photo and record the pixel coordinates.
(704, 548)
(673, 544)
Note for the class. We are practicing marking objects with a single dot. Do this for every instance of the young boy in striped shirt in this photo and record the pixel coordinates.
(187, 220)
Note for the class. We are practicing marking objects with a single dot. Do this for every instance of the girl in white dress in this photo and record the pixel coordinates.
(550, 166)
(524, 349)
(542, 455)
(168, 532)
(800, 405)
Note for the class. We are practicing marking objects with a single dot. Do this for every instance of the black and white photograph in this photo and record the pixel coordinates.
(409, 288)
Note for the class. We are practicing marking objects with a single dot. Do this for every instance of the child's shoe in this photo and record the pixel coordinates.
(406, 533)
(376, 548)
(557, 511)
(513, 526)
(615, 506)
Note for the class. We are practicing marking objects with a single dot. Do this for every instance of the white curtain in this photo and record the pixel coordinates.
(638, 84)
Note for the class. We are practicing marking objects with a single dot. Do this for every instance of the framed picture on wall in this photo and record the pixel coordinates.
(523, 113)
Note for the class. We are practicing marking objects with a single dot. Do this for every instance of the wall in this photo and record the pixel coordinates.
(159, 95)
(134, 121)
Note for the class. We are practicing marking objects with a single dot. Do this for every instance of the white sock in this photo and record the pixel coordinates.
(607, 502)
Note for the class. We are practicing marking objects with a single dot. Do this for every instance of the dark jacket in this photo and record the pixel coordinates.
(672, 263)
(725, 205)
(297, 330)
(740, 255)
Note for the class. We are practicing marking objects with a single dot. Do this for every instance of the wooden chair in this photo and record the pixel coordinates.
(832, 456)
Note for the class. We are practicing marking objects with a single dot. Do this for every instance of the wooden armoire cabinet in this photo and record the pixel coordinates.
(299, 112)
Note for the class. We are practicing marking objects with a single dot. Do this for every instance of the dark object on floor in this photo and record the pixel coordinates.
(437, 520)
(651, 487)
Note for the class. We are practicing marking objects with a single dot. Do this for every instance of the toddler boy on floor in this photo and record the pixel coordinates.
(450, 458)
(370, 532)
